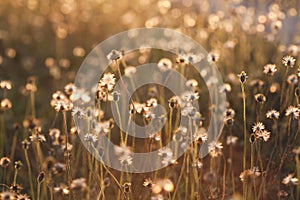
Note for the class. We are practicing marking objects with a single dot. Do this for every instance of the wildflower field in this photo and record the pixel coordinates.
(54, 132)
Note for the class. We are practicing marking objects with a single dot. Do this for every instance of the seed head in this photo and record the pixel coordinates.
(288, 61)
(242, 76)
(114, 55)
(5, 85)
(126, 187)
(272, 114)
(106, 181)
(25, 144)
(270, 69)
(293, 112)
(115, 96)
(18, 165)
(41, 177)
(78, 184)
(228, 121)
(164, 64)
(260, 98)
(4, 162)
(5, 104)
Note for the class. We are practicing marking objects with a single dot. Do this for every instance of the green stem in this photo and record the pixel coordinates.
(29, 173)
(245, 135)
(179, 178)
(15, 177)
(38, 191)
(32, 103)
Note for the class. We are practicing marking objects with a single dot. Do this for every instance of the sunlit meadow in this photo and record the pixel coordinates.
(256, 46)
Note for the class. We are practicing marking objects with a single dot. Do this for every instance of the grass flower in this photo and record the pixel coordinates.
(6, 85)
(270, 69)
(292, 112)
(79, 184)
(288, 61)
(215, 149)
(129, 71)
(250, 174)
(114, 55)
(258, 126)
(243, 77)
(166, 155)
(260, 98)
(4, 162)
(124, 154)
(273, 114)
(107, 82)
(231, 140)
(290, 179)
(165, 64)
(5, 104)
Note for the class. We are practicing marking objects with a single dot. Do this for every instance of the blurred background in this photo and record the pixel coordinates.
(50, 38)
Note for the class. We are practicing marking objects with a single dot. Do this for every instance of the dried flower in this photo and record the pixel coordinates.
(82, 95)
(198, 164)
(272, 114)
(200, 134)
(270, 69)
(260, 98)
(7, 196)
(288, 61)
(107, 82)
(164, 64)
(78, 112)
(106, 181)
(264, 134)
(231, 140)
(129, 71)
(18, 165)
(126, 187)
(213, 57)
(226, 87)
(162, 185)
(91, 138)
(25, 144)
(31, 84)
(114, 55)
(290, 179)
(174, 102)
(192, 84)
(23, 197)
(167, 156)
(250, 174)
(78, 184)
(37, 136)
(6, 85)
(228, 121)
(41, 177)
(5, 104)
(70, 88)
(147, 182)
(4, 162)
(188, 97)
(229, 113)
(124, 153)
(115, 96)
(215, 148)
(292, 79)
(58, 168)
(293, 112)
(258, 126)
(243, 77)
